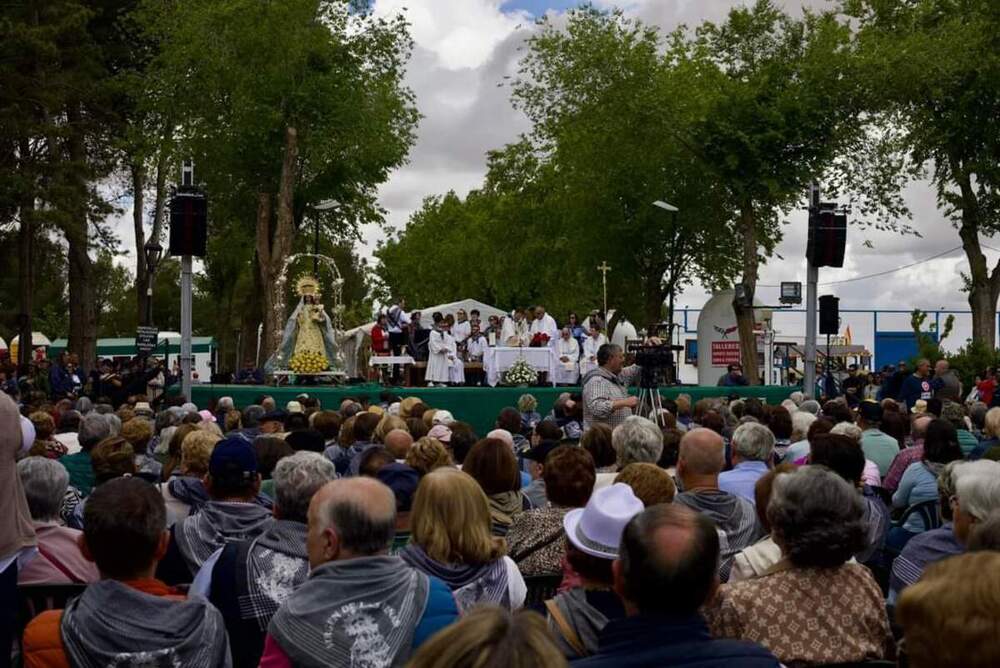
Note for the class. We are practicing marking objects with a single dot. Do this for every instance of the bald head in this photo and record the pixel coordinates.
(350, 518)
(919, 427)
(702, 452)
(398, 441)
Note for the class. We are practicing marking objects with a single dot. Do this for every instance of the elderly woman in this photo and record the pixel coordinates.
(427, 454)
(649, 482)
(812, 607)
(45, 445)
(139, 432)
(450, 540)
(597, 441)
(948, 618)
(537, 539)
(492, 464)
(919, 481)
(185, 491)
(59, 560)
(635, 440)
(755, 560)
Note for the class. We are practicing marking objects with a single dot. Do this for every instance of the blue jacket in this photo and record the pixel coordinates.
(636, 642)
(914, 387)
(60, 380)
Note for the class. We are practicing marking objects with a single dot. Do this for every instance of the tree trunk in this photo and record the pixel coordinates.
(274, 248)
(984, 285)
(138, 200)
(655, 293)
(82, 314)
(744, 314)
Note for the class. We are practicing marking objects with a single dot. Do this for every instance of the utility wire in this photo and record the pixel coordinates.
(887, 271)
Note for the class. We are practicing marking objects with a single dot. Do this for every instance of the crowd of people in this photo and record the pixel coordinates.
(383, 531)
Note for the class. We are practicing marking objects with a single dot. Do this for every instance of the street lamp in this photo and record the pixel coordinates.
(670, 208)
(153, 251)
(325, 205)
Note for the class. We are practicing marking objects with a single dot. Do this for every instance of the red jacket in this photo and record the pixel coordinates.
(42, 644)
(380, 341)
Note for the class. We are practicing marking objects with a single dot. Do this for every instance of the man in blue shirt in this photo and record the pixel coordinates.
(917, 385)
(753, 449)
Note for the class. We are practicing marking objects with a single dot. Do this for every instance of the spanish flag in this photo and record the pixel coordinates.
(847, 335)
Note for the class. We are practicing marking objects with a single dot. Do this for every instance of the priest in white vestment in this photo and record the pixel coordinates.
(515, 332)
(591, 345)
(544, 324)
(441, 355)
(567, 358)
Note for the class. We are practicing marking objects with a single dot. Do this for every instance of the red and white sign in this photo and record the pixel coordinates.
(725, 352)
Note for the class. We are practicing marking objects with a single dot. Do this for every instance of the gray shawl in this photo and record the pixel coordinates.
(218, 523)
(270, 568)
(112, 624)
(359, 612)
(733, 515)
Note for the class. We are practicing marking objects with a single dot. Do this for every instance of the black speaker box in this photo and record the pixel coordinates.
(188, 223)
(827, 238)
(829, 314)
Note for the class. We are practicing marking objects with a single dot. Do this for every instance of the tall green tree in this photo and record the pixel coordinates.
(283, 105)
(932, 69)
(778, 106)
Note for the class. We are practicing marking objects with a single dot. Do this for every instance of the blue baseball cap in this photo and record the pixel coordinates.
(233, 458)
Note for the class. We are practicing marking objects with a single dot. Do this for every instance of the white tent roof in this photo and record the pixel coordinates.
(37, 339)
(485, 311)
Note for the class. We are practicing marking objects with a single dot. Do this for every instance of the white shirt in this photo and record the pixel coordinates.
(567, 348)
(591, 345)
(476, 348)
(398, 318)
(461, 331)
(546, 325)
(514, 333)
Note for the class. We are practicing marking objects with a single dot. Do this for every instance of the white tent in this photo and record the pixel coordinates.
(352, 339)
(37, 339)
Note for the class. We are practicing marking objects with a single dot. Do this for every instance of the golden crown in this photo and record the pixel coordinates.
(307, 285)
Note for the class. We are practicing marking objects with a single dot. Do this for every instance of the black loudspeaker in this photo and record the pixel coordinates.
(188, 222)
(827, 237)
(829, 314)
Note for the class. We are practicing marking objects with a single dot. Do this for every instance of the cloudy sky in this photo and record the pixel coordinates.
(465, 47)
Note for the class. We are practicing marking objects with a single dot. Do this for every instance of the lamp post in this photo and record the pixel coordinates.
(670, 208)
(153, 251)
(325, 205)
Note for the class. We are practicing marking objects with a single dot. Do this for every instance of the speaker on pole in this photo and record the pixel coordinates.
(188, 222)
(827, 236)
(829, 314)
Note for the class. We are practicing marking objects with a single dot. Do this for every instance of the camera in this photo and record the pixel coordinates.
(656, 362)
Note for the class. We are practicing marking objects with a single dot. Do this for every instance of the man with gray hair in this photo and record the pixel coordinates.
(702, 457)
(249, 580)
(753, 449)
(359, 606)
(94, 428)
(59, 560)
(969, 492)
(637, 440)
(605, 389)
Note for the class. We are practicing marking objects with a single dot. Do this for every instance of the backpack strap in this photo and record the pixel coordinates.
(568, 633)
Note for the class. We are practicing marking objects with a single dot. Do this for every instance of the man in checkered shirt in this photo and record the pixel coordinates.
(605, 389)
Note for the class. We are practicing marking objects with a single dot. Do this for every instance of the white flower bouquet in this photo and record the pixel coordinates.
(520, 373)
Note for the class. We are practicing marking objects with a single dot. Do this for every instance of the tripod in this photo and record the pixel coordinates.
(651, 405)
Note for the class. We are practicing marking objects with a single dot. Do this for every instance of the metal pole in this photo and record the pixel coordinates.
(812, 278)
(827, 385)
(186, 326)
(316, 248)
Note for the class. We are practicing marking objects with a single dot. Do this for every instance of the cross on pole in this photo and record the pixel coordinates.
(604, 268)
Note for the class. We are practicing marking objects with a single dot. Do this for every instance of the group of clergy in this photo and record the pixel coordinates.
(454, 341)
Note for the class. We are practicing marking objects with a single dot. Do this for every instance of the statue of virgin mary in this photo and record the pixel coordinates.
(307, 344)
